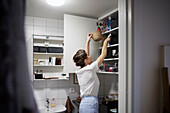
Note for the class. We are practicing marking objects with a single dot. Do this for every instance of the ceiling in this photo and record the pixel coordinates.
(86, 8)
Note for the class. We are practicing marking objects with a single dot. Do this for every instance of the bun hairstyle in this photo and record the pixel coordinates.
(79, 58)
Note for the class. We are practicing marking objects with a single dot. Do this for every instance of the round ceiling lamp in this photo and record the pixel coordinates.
(56, 2)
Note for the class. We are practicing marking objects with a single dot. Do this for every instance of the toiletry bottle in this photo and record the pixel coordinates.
(109, 24)
(53, 61)
(56, 61)
(49, 63)
(53, 102)
(41, 73)
(59, 61)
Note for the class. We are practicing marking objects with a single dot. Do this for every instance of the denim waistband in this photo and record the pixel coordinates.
(90, 97)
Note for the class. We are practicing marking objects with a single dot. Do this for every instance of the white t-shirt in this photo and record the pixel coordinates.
(88, 80)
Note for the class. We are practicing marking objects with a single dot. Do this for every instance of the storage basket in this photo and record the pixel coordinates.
(55, 50)
(43, 49)
(97, 35)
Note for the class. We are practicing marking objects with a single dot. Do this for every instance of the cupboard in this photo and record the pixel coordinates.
(48, 57)
(76, 29)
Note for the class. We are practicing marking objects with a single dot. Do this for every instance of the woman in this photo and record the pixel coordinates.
(87, 77)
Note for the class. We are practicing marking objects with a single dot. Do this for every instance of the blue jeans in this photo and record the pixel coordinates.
(89, 104)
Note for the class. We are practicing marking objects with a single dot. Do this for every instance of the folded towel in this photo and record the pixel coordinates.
(69, 106)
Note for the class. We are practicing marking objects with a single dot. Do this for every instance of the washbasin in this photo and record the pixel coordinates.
(56, 109)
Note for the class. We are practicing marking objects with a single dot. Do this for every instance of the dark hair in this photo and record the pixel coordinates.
(79, 58)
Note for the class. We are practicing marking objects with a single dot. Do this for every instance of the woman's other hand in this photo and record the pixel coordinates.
(89, 37)
(108, 38)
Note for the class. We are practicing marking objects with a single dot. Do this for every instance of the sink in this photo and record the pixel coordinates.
(57, 109)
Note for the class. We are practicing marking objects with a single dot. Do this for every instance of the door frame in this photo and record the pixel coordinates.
(126, 67)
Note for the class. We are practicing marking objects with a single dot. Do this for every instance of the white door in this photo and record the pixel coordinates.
(76, 29)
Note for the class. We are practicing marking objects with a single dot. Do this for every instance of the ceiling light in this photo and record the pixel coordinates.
(56, 2)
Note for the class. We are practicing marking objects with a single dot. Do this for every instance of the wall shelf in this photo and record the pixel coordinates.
(103, 72)
(110, 30)
(47, 41)
(59, 39)
(43, 45)
(51, 79)
(48, 37)
(59, 54)
(110, 46)
(111, 59)
(48, 66)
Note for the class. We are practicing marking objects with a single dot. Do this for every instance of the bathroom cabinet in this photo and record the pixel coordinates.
(48, 57)
(109, 25)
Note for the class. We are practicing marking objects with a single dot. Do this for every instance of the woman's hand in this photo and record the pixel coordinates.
(108, 38)
(89, 37)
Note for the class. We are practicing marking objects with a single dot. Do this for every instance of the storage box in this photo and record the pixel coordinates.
(38, 76)
(43, 49)
(36, 49)
(55, 50)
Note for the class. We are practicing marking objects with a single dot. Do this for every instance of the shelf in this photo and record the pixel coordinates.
(49, 39)
(110, 30)
(110, 46)
(46, 37)
(50, 72)
(50, 45)
(108, 72)
(36, 53)
(51, 79)
(111, 59)
(48, 66)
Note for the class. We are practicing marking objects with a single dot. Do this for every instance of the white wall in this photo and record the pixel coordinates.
(151, 30)
(40, 26)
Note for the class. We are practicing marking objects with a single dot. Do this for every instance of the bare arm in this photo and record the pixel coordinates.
(104, 51)
(87, 44)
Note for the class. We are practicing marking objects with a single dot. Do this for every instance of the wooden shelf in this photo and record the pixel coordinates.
(108, 72)
(110, 30)
(36, 53)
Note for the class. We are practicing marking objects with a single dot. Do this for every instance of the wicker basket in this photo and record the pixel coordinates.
(97, 35)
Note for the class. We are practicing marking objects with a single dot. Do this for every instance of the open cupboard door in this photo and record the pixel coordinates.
(76, 29)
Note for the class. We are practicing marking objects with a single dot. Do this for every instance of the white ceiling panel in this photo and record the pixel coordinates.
(87, 8)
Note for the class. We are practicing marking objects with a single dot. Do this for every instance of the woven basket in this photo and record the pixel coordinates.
(97, 35)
